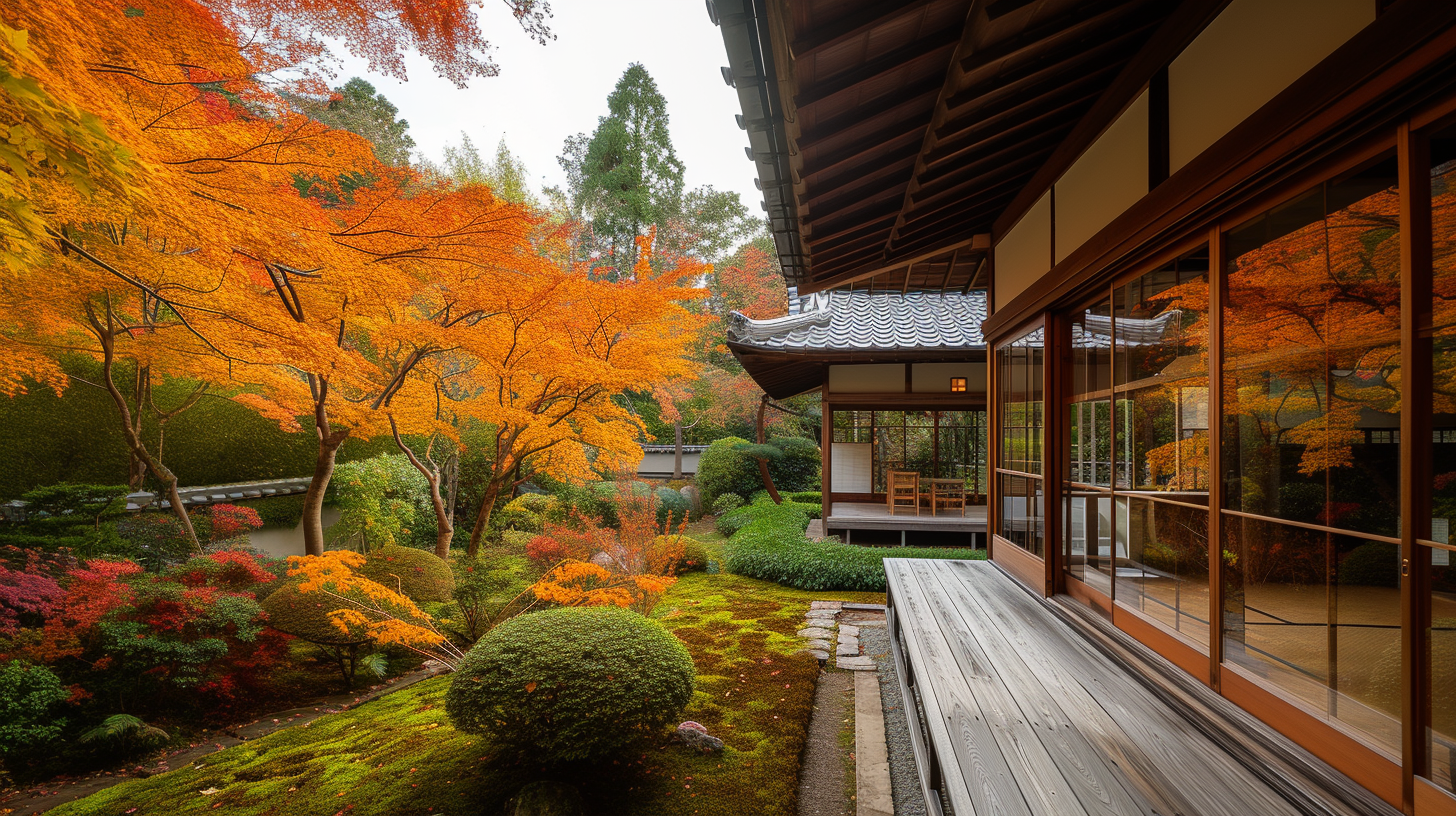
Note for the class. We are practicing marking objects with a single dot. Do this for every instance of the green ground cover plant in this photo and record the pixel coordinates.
(768, 542)
(400, 754)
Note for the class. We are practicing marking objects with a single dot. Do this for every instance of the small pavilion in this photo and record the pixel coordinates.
(902, 376)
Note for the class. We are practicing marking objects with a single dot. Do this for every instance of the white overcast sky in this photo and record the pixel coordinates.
(546, 93)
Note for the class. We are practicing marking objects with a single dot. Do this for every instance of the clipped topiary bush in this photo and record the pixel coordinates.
(804, 496)
(770, 545)
(727, 503)
(526, 512)
(306, 616)
(571, 684)
(417, 574)
(732, 521)
(672, 508)
(729, 466)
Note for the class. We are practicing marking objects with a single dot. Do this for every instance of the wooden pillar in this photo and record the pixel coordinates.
(826, 448)
(1415, 448)
(1215, 453)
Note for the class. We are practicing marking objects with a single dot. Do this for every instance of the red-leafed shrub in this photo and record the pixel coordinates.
(30, 587)
(579, 538)
(229, 521)
(231, 570)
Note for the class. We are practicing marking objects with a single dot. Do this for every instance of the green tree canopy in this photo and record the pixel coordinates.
(357, 108)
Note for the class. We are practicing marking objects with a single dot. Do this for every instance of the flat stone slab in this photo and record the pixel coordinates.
(835, 605)
(816, 633)
(827, 614)
(848, 640)
(856, 663)
(847, 649)
(846, 629)
(863, 607)
(819, 653)
(819, 644)
(873, 796)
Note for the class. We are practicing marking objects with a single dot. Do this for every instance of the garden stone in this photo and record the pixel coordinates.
(818, 644)
(547, 799)
(846, 629)
(601, 559)
(816, 632)
(696, 736)
(847, 649)
(819, 654)
(856, 663)
(695, 499)
(821, 614)
(835, 605)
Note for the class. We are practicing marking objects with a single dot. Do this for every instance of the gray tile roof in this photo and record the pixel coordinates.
(1095, 331)
(859, 321)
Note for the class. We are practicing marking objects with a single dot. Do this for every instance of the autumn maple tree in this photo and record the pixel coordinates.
(550, 369)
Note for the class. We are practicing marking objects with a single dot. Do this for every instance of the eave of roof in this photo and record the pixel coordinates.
(891, 138)
(790, 355)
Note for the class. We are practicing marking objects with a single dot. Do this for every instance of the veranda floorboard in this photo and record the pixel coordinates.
(1030, 703)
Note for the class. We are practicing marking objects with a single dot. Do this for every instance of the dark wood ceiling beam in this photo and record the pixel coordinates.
(855, 25)
(1079, 22)
(877, 265)
(909, 101)
(1023, 156)
(831, 230)
(956, 137)
(1001, 186)
(938, 114)
(895, 164)
(1171, 37)
(925, 49)
(946, 159)
(857, 208)
(861, 148)
(1055, 68)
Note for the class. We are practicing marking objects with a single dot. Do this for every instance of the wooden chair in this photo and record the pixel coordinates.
(904, 486)
(948, 492)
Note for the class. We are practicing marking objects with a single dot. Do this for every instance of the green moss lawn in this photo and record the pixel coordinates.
(399, 755)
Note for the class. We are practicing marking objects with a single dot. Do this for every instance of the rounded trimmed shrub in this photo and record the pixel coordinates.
(727, 503)
(672, 508)
(306, 616)
(572, 683)
(727, 466)
(417, 574)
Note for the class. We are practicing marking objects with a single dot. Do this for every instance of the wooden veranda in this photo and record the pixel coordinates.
(1027, 715)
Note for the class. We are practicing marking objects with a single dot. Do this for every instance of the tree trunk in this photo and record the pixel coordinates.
(444, 523)
(482, 517)
(773, 492)
(677, 450)
(323, 468)
(134, 442)
(313, 500)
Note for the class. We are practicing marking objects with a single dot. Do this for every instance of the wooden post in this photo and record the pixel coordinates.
(826, 447)
(1215, 454)
(1415, 449)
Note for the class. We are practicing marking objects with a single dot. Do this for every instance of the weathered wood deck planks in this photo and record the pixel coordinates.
(1026, 717)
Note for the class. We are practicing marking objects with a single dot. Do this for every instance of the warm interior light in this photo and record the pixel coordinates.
(957, 383)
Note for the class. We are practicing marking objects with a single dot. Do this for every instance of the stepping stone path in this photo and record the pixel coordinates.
(820, 623)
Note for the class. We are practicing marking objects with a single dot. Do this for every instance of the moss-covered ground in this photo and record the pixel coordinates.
(399, 755)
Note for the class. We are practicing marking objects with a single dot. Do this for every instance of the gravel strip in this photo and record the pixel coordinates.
(904, 779)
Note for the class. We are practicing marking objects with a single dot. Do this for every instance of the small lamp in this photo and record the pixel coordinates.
(957, 384)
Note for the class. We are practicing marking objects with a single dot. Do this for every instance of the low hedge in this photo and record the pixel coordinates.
(804, 496)
(771, 546)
